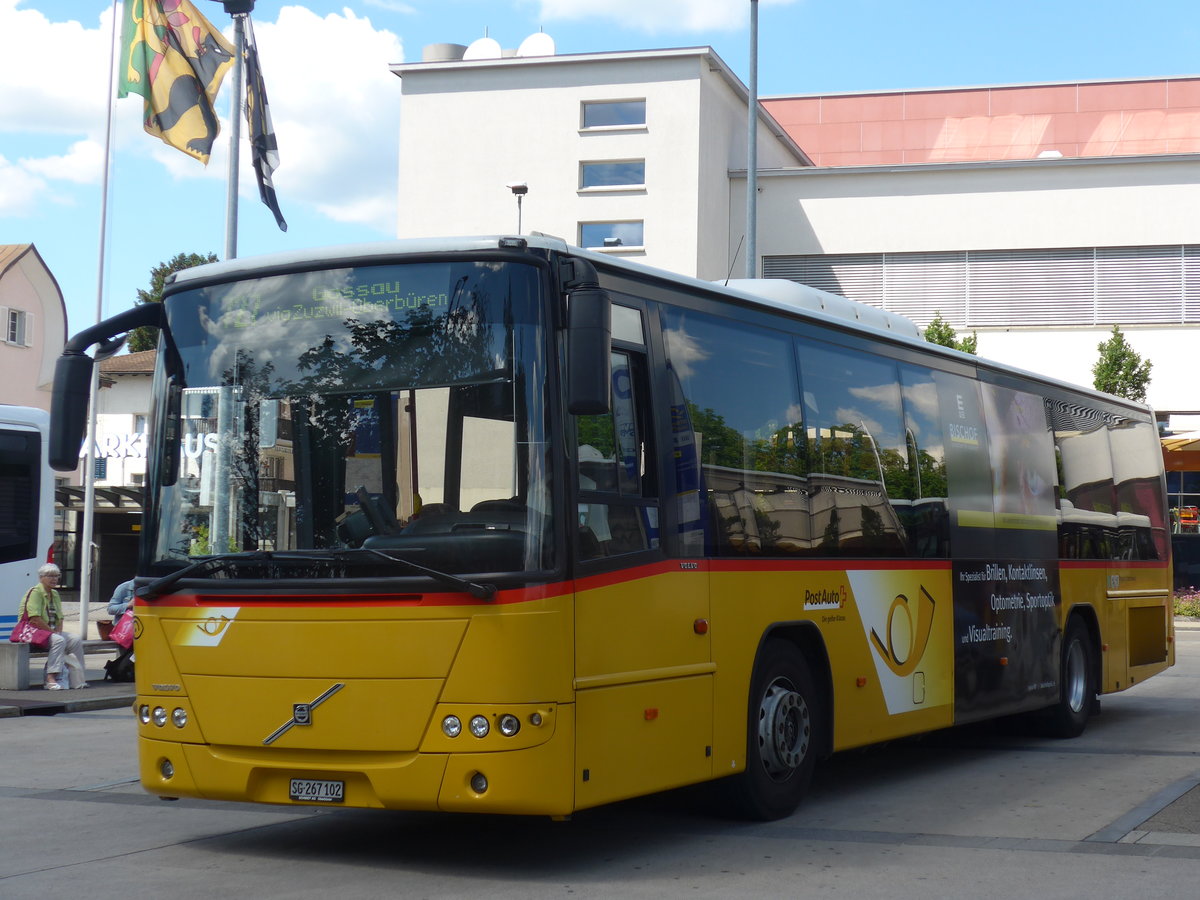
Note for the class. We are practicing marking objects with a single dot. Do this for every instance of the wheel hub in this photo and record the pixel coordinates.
(784, 730)
(1076, 677)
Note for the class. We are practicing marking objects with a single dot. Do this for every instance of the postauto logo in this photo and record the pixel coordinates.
(905, 644)
(909, 637)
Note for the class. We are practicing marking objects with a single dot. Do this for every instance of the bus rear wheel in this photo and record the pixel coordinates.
(783, 727)
(1077, 683)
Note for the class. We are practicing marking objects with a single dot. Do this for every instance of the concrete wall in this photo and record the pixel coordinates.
(470, 128)
(1050, 203)
(1042, 204)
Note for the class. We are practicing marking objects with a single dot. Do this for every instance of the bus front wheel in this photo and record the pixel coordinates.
(1077, 683)
(784, 719)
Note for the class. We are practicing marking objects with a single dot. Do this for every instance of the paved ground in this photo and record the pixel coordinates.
(1171, 817)
(99, 694)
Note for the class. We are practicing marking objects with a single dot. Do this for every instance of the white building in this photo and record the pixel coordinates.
(628, 147)
(1038, 216)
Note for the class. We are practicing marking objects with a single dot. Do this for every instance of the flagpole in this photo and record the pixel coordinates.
(752, 150)
(235, 127)
(89, 464)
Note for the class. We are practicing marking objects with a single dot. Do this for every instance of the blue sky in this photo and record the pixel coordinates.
(336, 107)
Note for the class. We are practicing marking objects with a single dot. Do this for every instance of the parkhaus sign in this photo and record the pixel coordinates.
(132, 445)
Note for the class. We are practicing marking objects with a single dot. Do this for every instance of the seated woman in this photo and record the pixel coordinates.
(43, 607)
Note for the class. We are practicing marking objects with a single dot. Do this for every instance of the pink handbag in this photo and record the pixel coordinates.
(122, 631)
(26, 633)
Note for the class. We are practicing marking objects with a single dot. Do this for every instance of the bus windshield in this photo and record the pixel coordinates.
(367, 415)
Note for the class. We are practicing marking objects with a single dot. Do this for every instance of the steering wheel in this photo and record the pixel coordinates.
(371, 511)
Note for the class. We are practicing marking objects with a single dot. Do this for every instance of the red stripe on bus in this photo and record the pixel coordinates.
(603, 580)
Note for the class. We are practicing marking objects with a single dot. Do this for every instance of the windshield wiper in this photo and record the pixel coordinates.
(479, 591)
(161, 585)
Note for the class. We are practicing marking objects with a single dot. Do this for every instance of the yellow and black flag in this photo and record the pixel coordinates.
(176, 59)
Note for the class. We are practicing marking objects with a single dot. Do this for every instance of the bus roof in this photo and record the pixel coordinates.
(777, 294)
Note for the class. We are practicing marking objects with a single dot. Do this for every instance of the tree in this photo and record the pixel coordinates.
(146, 336)
(939, 332)
(1120, 369)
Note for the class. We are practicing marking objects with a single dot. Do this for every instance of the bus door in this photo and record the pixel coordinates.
(1138, 587)
(1003, 536)
(642, 663)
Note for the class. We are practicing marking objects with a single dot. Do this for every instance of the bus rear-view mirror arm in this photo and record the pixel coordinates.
(73, 379)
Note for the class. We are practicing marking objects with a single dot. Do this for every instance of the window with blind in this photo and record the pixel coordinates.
(1005, 288)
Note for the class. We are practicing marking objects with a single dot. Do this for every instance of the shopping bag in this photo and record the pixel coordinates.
(25, 632)
(122, 632)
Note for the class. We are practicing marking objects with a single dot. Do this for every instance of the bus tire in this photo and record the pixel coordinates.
(782, 730)
(1077, 679)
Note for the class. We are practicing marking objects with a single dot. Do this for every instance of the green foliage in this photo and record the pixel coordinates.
(1187, 603)
(146, 337)
(1120, 369)
(939, 332)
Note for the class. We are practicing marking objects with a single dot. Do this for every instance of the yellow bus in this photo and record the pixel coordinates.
(499, 525)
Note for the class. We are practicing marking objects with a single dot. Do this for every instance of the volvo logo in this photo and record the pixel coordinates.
(301, 715)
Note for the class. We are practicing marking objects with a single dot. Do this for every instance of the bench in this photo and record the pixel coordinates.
(15, 658)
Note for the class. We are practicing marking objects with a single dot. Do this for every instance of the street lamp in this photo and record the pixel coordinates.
(519, 189)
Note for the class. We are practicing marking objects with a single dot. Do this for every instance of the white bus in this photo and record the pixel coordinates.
(26, 504)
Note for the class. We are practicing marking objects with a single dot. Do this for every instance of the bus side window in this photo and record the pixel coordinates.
(618, 511)
(739, 442)
(1141, 518)
(1087, 524)
(860, 479)
(926, 515)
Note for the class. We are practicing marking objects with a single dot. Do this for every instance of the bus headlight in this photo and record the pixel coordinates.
(451, 726)
(179, 717)
(144, 714)
(479, 726)
(159, 716)
(509, 725)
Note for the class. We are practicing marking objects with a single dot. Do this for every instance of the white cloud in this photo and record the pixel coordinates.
(336, 110)
(83, 163)
(42, 73)
(659, 15)
(20, 189)
(335, 106)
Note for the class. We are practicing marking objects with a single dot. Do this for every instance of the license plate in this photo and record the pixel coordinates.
(311, 791)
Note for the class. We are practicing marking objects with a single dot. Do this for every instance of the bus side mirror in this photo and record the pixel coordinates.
(72, 387)
(169, 460)
(589, 345)
(73, 379)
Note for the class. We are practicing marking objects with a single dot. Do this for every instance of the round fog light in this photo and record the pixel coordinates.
(479, 727)
(479, 783)
(179, 717)
(166, 769)
(451, 726)
(509, 725)
(160, 716)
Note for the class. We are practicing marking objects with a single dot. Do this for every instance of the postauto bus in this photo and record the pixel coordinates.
(501, 525)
